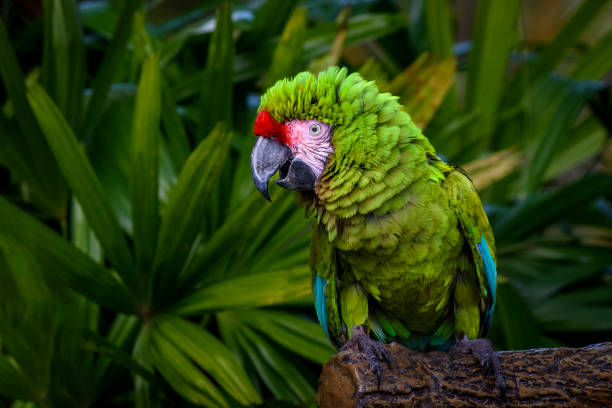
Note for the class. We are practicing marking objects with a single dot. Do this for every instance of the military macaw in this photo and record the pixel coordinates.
(402, 249)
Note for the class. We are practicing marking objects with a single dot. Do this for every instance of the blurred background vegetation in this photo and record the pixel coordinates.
(138, 266)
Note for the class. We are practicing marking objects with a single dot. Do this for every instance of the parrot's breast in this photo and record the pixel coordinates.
(412, 274)
(407, 260)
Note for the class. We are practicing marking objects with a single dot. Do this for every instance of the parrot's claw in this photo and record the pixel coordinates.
(372, 349)
(482, 349)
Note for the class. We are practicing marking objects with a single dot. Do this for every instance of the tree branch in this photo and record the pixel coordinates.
(535, 378)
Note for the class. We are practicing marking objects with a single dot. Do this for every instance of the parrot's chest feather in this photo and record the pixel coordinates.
(406, 259)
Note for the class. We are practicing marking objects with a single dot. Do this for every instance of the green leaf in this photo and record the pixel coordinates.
(145, 393)
(361, 28)
(272, 366)
(539, 210)
(337, 46)
(181, 373)
(64, 65)
(253, 238)
(211, 355)
(81, 235)
(269, 20)
(438, 24)
(494, 36)
(177, 31)
(187, 204)
(29, 283)
(100, 17)
(583, 141)
(581, 310)
(423, 85)
(176, 138)
(145, 165)
(15, 156)
(318, 41)
(110, 153)
(237, 227)
(120, 333)
(551, 278)
(101, 345)
(596, 62)
(447, 136)
(231, 330)
(299, 335)
(30, 354)
(571, 32)
(113, 59)
(489, 169)
(61, 261)
(262, 289)
(44, 167)
(142, 41)
(270, 222)
(553, 106)
(287, 58)
(217, 89)
(83, 181)
(13, 384)
(531, 72)
(514, 319)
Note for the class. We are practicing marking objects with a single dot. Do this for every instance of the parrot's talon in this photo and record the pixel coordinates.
(482, 350)
(373, 350)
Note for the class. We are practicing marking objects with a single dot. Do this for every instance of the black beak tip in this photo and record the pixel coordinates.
(262, 187)
(266, 194)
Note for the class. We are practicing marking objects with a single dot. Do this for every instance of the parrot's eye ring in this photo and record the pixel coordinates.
(314, 129)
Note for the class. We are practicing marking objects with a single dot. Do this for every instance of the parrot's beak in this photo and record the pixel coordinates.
(269, 156)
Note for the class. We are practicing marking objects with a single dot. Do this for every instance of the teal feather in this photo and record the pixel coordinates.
(320, 302)
(491, 274)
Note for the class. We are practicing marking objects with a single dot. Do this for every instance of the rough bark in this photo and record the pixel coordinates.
(535, 378)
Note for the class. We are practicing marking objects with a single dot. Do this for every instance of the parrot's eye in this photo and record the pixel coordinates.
(314, 129)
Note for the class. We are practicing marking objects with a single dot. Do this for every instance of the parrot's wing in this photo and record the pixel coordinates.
(324, 266)
(479, 236)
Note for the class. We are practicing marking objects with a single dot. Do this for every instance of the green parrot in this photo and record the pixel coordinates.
(402, 249)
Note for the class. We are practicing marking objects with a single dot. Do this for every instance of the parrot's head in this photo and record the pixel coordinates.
(312, 130)
(297, 148)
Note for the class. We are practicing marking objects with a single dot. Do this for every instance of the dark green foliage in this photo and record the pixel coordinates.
(139, 266)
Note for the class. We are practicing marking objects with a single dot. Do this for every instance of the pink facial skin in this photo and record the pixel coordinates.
(310, 141)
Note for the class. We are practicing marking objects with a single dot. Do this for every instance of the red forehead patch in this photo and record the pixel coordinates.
(266, 126)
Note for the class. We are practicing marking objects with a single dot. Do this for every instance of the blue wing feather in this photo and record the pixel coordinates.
(320, 302)
(491, 274)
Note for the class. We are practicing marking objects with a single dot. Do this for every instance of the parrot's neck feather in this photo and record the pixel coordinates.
(355, 202)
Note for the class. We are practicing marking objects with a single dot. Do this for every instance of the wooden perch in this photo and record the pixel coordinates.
(535, 378)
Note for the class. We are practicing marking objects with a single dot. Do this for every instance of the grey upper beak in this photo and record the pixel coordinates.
(267, 157)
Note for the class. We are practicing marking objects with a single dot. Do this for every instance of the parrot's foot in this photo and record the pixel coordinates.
(372, 349)
(482, 349)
